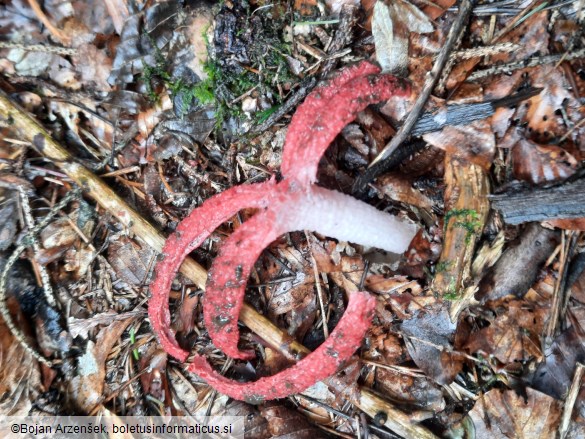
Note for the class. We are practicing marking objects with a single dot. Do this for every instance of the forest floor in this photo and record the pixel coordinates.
(119, 119)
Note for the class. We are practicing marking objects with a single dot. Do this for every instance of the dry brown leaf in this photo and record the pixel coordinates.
(93, 66)
(336, 5)
(318, 414)
(386, 344)
(428, 339)
(437, 8)
(517, 268)
(567, 224)
(541, 163)
(154, 380)
(284, 423)
(186, 316)
(504, 414)
(291, 294)
(378, 129)
(87, 387)
(424, 250)
(132, 262)
(473, 143)
(531, 36)
(400, 189)
(395, 284)
(418, 393)
(81, 327)
(351, 273)
(514, 334)
(20, 377)
(58, 234)
(554, 375)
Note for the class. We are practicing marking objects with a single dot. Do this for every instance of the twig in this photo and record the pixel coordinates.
(430, 83)
(448, 67)
(477, 52)
(528, 62)
(27, 128)
(30, 223)
(65, 51)
(57, 33)
(573, 128)
(318, 285)
(570, 400)
(561, 295)
(463, 114)
(343, 35)
(26, 241)
(518, 19)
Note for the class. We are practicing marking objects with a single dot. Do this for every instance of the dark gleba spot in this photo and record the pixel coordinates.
(332, 353)
(220, 320)
(239, 272)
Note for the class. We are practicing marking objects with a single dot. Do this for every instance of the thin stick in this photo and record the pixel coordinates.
(65, 51)
(57, 33)
(485, 51)
(528, 62)
(568, 133)
(430, 83)
(559, 292)
(25, 242)
(30, 223)
(318, 285)
(27, 128)
(570, 400)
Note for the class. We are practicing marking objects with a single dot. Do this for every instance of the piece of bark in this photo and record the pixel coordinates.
(538, 204)
(464, 114)
(518, 267)
(466, 209)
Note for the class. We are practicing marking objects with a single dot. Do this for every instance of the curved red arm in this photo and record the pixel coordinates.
(325, 112)
(318, 365)
(228, 276)
(190, 234)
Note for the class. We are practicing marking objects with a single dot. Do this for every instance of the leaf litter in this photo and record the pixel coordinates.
(477, 327)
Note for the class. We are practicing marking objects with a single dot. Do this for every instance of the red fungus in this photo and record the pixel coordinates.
(293, 204)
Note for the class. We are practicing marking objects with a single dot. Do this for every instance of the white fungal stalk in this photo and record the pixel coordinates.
(345, 218)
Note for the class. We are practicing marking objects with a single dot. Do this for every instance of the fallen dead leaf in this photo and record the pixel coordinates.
(513, 335)
(541, 163)
(87, 387)
(554, 375)
(428, 340)
(504, 414)
(417, 393)
(20, 377)
(131, 261)
(391, 25)
(284, 423)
